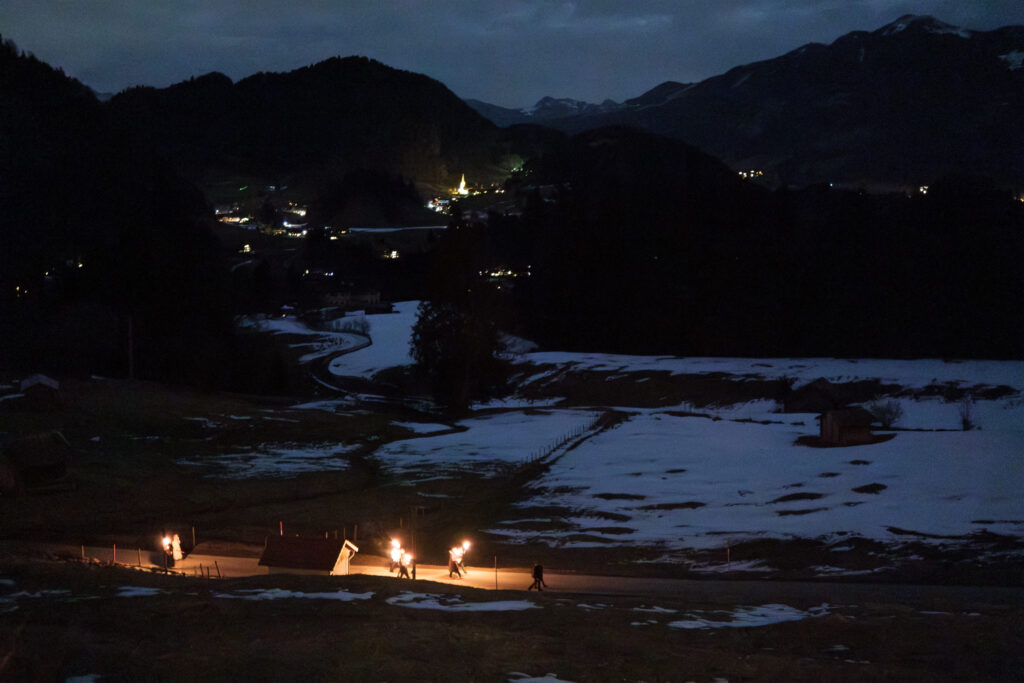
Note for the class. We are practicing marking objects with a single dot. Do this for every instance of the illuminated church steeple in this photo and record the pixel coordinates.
(462, 186)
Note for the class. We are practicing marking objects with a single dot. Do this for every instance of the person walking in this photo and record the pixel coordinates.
(453, 564)
(403, 566)
(538, 578)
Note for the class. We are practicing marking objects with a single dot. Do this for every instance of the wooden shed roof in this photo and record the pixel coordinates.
(39, 380)
(295, 552)
(36, 450)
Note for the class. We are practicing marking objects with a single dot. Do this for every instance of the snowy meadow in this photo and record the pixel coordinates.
(676, 477)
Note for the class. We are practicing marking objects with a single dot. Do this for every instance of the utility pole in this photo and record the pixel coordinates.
(131, 349)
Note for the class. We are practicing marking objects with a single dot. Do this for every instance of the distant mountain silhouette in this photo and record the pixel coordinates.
(546, 109)
(98, 236)
(636, 243)
(898, 106)
(658, 94)
(326, 119)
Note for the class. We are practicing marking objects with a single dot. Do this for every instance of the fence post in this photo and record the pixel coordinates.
(218, 568)
(115, 554)
(140, 556)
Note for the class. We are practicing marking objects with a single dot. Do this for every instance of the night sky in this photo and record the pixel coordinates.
(510, 52)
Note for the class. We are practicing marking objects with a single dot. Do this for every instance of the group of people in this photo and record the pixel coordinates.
(172, 550)
(402, 561)
(455, 556)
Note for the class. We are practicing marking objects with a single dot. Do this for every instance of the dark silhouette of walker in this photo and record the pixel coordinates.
(538, 578)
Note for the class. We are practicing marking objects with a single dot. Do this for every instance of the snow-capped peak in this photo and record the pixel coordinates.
(1015, 59)
(549, 107)
(925, 23)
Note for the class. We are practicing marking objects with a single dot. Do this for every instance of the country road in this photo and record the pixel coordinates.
(245, 562)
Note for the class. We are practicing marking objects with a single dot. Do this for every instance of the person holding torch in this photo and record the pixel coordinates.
(403, 566)
(453, 562)
(396, 554)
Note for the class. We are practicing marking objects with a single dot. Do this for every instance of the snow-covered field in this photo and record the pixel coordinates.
(272, 460)
(486, 442)
(907, 373)
(675, 482)
(391, 333)
(319, 343)
(690, 482)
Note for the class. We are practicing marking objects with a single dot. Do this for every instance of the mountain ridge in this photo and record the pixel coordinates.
(892, 108)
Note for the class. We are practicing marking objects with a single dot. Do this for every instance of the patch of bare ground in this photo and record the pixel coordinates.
(790, 513)
(610, 516)
(658, 388)
(587, 538)
(788, 498)
(688, 505)
(814, 441)
(955, 391)
(535, 525)
(870, 488)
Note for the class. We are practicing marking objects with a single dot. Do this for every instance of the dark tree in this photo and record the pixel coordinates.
(456, 350)
(456, 340)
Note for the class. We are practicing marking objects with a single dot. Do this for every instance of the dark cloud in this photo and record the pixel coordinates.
(509, 53)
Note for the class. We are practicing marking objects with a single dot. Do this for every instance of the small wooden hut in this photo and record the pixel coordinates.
(38, 460)
(847, 427)
(297, 555)
(42, 393)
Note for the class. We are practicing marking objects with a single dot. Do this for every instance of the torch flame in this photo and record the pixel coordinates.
(465, 545)
(407, 559)
(167, 542)
(395, 543)
(396, 554)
